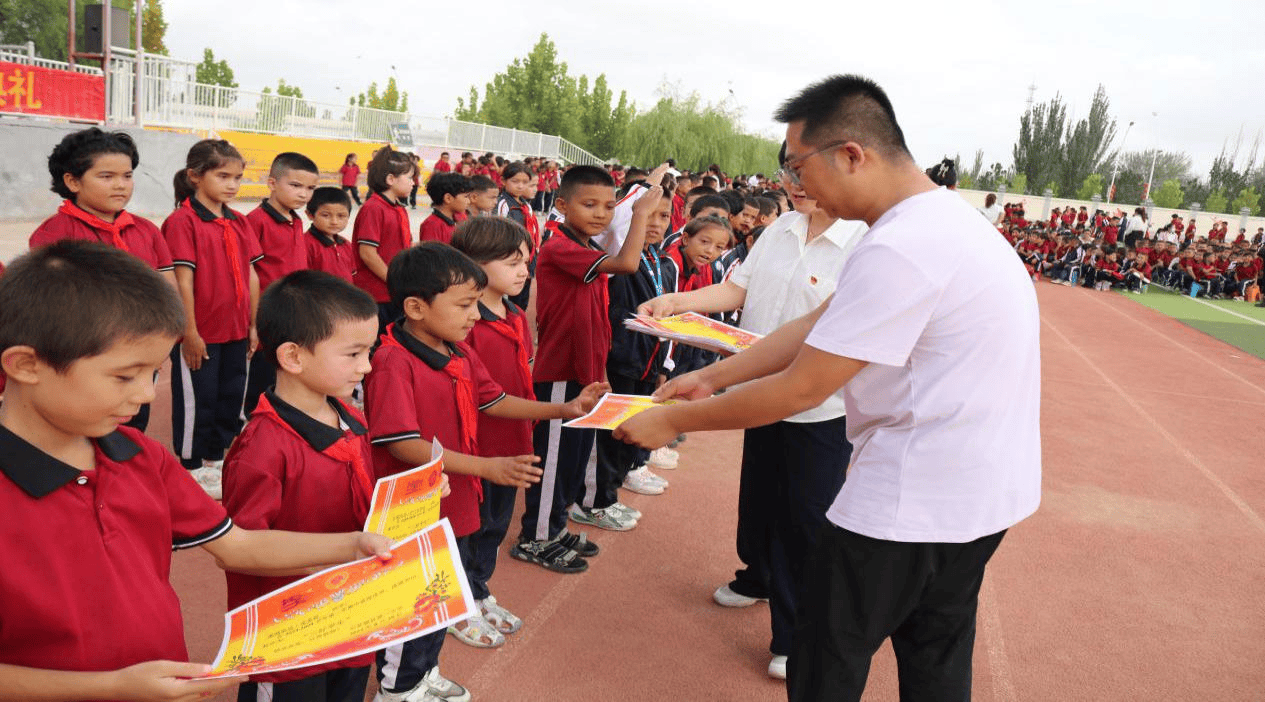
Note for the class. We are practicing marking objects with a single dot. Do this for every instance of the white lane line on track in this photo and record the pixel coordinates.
(995, 644)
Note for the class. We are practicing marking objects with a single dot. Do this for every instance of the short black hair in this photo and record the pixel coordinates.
(428, 269)
(698, 224)
(481, 182)
(441, 184)
(287, 161)
(701, 191)
(77, 151)
(848, 107)
(711, 179)
(946, 173)
(706, 201)
(733, 200)
(75, 299)
(516, 168)
(767, 205)
(579, 176)
(328, 195)
(486, 239)
(305, 307)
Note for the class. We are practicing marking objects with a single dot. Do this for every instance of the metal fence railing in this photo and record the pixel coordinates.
(15, 53)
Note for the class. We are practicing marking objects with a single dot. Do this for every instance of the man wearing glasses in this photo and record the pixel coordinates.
(933, 336)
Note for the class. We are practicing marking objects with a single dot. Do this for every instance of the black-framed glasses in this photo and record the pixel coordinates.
(791, 172)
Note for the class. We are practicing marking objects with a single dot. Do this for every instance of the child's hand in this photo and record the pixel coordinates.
(193, 350)
(656, 176)
(516, 471)
(658, 307)
(253, 344)
(585, 401)
(444, 488)
(167, 681)
(368, 544)
(648, 202)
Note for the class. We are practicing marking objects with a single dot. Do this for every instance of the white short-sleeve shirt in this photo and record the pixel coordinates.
(945, 421)
(786, 278)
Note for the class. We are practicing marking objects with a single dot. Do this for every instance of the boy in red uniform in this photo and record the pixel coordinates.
(1138, 273)
(443, 165)
(572, 310)
(382, 228)
(99, 506)
(428, 386)
(327, 250)
(449, 199)
(276, 223)
(303, 461)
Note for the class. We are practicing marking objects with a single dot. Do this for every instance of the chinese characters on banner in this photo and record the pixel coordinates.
(32, 90)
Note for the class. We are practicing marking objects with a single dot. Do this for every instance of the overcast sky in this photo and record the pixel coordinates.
(958, 73)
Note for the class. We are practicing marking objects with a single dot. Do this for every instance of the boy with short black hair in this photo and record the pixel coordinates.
(449, 199)
(427, 385)
(292, 179)
(327, 250)
(574, 340)
(483, 197)
(83, 327)
(303, 462)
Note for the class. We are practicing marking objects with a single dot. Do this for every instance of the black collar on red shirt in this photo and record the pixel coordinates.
(277, 216)
(316, 433)
(590, 244)
(447, 220)
(325, 239)
(206, 215)
(432, 358)
(489, 316)
(39, 474)
(387, 201)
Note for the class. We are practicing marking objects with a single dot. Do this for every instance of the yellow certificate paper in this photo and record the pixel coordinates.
(405, 503)
(613, 410)
(351, 609)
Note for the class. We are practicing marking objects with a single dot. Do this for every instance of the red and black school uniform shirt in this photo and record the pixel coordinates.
(383, 225)
(679, 218)
(442, 166)
(135, 235)
(437, 227)
(416, 392)
(220, 251)
(281, 240)
(350, 174)
(332, 254)
(1069, 217)
(505, 347)
(88, 554)
(1111, 268)
(1143, 269)
(1110, 234)
(572, 304)
(1248, 270)
(289, 471)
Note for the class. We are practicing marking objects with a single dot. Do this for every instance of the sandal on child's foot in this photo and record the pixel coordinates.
(477, 632)
(499, 617)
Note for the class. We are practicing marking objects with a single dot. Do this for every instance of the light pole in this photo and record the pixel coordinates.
(1111, 189)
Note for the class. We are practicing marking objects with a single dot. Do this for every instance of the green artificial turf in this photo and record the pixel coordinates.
(1208, 317)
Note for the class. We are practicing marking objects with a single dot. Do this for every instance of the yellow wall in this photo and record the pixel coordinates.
(260, 149)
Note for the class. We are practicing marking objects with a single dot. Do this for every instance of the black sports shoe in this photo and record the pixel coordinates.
(579, 543)
(550, 555)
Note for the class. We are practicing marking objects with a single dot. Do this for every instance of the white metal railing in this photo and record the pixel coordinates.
(10, 54)
(170, 97)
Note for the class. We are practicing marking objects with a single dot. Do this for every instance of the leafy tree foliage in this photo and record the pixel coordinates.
(1249, 198)
(1091, 186)
(389, 99)
(1169, 194)
(1058, 155)
(44, 22)
(1217, 201)
(212, 72)
(275, 109)
(696, 135)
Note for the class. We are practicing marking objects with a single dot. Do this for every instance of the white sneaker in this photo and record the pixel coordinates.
(777, 667)
(633, 514)
(637, 482)
(664, 458)
(211, 478)
(418, 694)
(728, 598)
(644, 472)
(442, 688)
(604, 518)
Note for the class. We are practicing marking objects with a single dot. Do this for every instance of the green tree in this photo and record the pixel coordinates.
(1085, 144)
(44, 22)
(276, 110)
(154, 28)
(216, 73)
(1092, 185)
(1217, 201)
(1037, 153)
(1018, 184)
(696, 135)
(993, 177)
(1169, 194)
(391, 98)
(1249, 198)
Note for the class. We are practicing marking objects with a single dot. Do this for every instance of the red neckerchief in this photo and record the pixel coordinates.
(234, 256)
(467, 409)
(113, 229)
(701, 277)
(401, 215)
(343, 450)
(513, 327)
(532, 226)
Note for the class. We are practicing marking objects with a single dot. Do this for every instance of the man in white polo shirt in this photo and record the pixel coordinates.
(933, 334)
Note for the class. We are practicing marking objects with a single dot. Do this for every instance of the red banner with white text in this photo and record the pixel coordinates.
(32, 90)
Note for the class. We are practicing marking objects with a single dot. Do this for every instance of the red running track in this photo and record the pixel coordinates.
(1142, 576)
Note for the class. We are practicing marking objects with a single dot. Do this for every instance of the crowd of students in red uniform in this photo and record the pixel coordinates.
(1124, 251)
(266, 318)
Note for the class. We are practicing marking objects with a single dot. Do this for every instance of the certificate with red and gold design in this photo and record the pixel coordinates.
(613, 410)
(351, 609)
(405, 503)
(696, 330)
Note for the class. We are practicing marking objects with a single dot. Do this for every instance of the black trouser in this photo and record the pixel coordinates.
(495, 513)
(342, 685)
(564, 455)
(412, 196)
(859, 591)
(401, 667)
(206, 404)
(260, 375)
(616, 459)
(354, 192)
